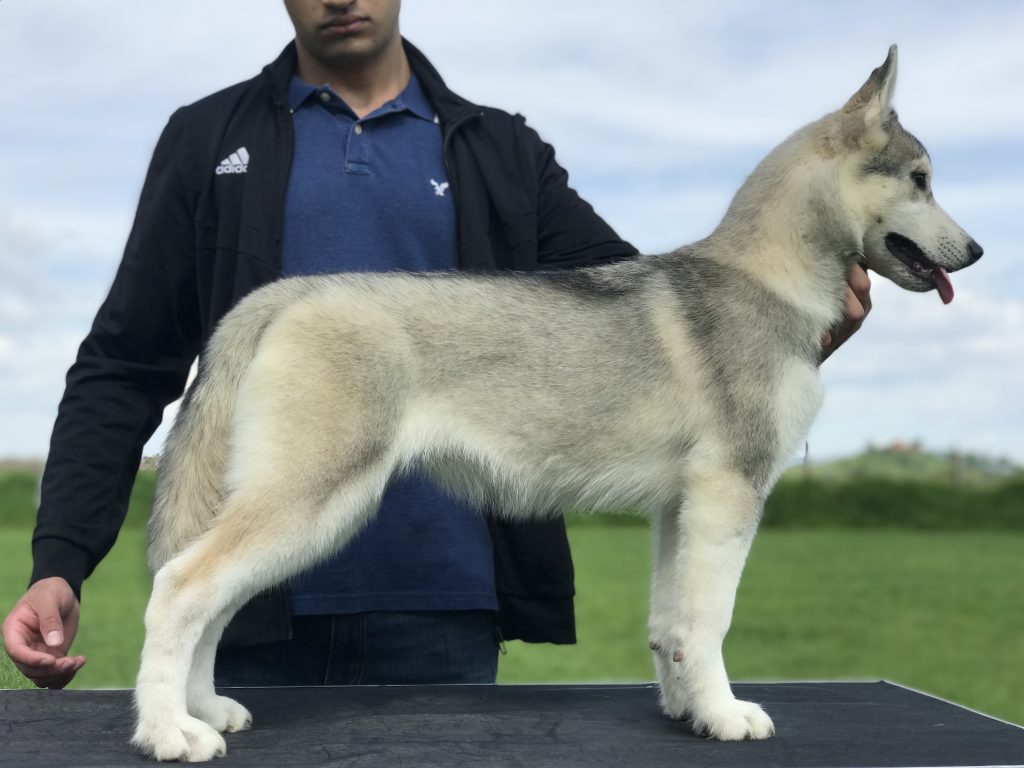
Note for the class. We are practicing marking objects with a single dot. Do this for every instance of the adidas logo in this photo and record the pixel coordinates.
(236, 162)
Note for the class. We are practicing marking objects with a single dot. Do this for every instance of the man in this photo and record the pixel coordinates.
(346, 153)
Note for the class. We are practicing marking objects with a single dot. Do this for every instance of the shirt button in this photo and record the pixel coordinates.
(358, 129)
(325, 96)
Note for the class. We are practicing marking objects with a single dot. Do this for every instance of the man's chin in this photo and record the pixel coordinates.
(350, 50)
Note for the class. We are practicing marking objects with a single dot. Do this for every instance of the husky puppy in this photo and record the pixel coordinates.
(676, 384)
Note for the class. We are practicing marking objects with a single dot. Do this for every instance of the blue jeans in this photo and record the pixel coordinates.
(370, 649)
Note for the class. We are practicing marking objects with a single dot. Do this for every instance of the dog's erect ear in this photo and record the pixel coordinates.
(873, 101)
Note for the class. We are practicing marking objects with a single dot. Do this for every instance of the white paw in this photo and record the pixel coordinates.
(182, 738)
(672, 697)
(674, 702)
(222, 714)
(733, 720)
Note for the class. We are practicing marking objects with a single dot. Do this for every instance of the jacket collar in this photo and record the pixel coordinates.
(450, 106)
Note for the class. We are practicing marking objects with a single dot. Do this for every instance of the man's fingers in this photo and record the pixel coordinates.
(859, 281)
(25, 657)
(857, 304)
(21, 640)
(51, 628)
(859, 284)
(57, 675)
(855, 310)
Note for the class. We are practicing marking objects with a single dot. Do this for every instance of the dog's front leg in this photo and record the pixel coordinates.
(700, 554)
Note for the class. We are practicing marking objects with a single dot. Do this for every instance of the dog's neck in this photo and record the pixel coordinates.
(788, 229)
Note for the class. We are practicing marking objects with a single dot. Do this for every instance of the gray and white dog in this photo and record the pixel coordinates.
(677, 384)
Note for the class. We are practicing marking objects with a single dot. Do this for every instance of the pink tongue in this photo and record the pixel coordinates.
(943, 286)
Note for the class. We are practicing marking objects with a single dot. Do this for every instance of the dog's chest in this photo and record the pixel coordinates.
(797, 400)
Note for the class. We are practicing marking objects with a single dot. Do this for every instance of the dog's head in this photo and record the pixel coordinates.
(907, 237)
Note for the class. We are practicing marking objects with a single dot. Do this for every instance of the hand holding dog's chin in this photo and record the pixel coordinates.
(835, 338)
(858, 305)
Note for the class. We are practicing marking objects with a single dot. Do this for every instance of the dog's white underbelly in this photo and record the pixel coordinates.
(608, 471)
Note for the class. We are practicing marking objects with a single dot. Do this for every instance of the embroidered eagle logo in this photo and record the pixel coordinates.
(439, 188)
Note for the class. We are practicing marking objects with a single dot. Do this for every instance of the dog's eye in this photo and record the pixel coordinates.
(920, 179)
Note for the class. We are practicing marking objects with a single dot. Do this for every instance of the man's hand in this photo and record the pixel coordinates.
(858, 304)
(39, 631)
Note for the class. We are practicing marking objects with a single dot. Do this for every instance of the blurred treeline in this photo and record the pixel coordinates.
(895, 487)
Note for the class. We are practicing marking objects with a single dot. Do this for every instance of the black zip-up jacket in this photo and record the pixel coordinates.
(201, 241)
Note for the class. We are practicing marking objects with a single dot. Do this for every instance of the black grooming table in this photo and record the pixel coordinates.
(819, 724)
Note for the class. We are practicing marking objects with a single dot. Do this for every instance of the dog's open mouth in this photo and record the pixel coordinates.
(906, 250)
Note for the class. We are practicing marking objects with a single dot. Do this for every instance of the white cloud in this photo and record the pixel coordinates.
(655, 67)
(948, 375)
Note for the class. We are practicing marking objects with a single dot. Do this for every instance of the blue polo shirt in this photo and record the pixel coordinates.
(372, 195)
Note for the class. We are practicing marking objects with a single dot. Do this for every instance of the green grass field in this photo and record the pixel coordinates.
(938, 611)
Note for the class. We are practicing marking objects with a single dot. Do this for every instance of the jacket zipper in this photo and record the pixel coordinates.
(445, 142)
(451, 130)
(288, 128)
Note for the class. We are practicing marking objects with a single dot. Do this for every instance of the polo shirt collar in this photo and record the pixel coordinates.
(412, 99)
(299, 90)
(450, 106)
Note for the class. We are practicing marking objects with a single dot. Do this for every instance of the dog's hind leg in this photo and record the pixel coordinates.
(222, 713)
(665, 606)
(264, 534)
(715, 526)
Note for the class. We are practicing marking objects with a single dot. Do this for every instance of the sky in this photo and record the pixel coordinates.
(657, 109)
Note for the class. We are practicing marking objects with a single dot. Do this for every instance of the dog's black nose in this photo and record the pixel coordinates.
(975, 250)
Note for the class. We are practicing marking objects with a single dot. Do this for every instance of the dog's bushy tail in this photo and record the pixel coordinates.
(190, 474)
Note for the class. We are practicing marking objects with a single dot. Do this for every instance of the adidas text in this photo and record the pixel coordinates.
(236, 162)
